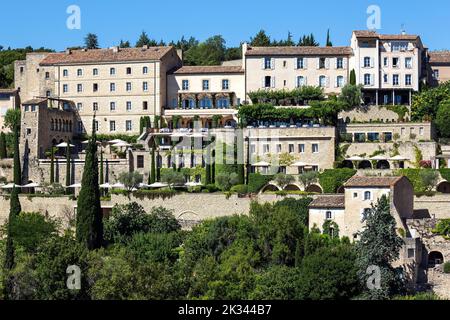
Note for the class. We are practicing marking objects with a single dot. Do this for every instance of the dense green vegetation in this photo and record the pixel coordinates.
(426, 103)
(331, 180)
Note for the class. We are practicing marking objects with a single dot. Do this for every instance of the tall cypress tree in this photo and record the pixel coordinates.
(102, 179)
(329, 43)
(17, 171)
(52, 165)
(208, 166)
(89, 228)
(152, 177)
(3, 151)
(353, 77)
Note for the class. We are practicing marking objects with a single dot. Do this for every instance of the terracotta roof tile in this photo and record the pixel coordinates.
(374, 182)
(328, 201)
(374, 34)
(288, 51)
(208, 69)
(439, 57)
(105, 55)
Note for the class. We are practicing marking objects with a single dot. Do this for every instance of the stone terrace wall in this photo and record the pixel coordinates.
(437, 206)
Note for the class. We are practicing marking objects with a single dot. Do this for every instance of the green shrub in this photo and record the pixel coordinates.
(257, 181)
(443, 228)
(240, 189)
(211, 188)
(447, 267)
(445, 173)
(331, 180)
(420, 178)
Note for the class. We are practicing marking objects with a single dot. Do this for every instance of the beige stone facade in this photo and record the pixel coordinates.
(9, 99)
(439, 67)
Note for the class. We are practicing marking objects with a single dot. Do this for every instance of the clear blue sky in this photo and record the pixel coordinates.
(43, 23)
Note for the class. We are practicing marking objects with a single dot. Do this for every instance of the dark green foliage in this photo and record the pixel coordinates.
(351, 95)
(130, 219)
(144, 40)
(445, 173)
(30, 230)
(298, 206)
(308, 41)
(17, 170)
(209, 53)
(379, 246)
(3, 150)
(426, 103)
(443, 118)
(257, 181)
(240, 189)
(352, 77)
(296, 96)
(447, 267)
(261, 39)
(329, 274)
(152, 177)
(91, 41)
(421, 179)
(89, 227)
(331, 180)
(68, 169)
(102, 176)
(329, 43)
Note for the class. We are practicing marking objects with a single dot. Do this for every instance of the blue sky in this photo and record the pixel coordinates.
(43, 23)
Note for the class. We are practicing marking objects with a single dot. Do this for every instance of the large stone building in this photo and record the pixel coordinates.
(118, 85)
(439, 67)
(9, 100)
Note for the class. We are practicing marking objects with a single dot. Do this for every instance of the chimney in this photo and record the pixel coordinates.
(115, 49)
(244, 52)
(145, 47)
(68, 51)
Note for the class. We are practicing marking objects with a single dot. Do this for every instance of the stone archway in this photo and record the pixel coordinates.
(383, 165)
(443, 187)
(270, 188)
(314, 188)
(435, 258)
(292, 187)
(365, 165)
(348, 164)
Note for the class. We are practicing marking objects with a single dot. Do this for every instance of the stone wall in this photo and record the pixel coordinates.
(437, 206)
(369, 113)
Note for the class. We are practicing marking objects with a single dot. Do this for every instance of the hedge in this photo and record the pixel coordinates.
(257, 181)
(414, 176)
(447, 267)
(445, 173)
(332, 179)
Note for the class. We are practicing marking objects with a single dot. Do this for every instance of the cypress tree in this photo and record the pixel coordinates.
(240, 156)
(158, 169)
(102, 179)
(89, 227)
(17, 171)
(329, 43)
(353, 77)
(152, 178)
(208, 165)
(68, 169)
(52, 165)
(3, 152)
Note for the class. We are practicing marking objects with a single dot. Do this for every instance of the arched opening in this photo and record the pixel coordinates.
(314, 189)
(292, 187)
(348, 164)
(435, 258)
(443, 187)
(383, 165)
(365, 165)
(270, 188)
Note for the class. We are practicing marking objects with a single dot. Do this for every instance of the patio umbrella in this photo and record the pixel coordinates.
(116, 141)
(143, 185)
(11, 186)
(158, 185)
(193, 184)
(121, 144)
(355, 158)
(105, 186)
(261, 164)
(75, 186)
(398, 158)
(118, 186)
(300, 164)
(379, 158)
(64, 145)
(31, 185)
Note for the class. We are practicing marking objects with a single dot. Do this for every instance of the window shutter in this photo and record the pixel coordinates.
(344, 82)
(372, 80)
(263, 64)
(272, 62)
(273, 82)
(372, 62)
(305, 81)
(336, 63)
(336, 83)
(327, 63)
(327, 82)
(305, 63)
(345, 63)
(263, 82)
(297, 81)
(296, 63)
(318, 63)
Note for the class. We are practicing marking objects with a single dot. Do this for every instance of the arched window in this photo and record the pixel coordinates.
(322, 81)
(340, 81)
(367, 195)
(223, 103)
(205, 103)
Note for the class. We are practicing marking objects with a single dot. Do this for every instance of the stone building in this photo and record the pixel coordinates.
(119, 85)
(439, 67)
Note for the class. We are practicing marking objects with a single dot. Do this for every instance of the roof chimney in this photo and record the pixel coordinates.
(145, 47)
(68, 51)
(115, 49)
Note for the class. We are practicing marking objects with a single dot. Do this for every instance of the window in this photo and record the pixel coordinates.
(95, 106)
(279, 148)
(79, 72)
(421, 131)
(80, 126)
(267, 63)
(205, 84)
(128, 125)
(144, 105)
(386, 78)
(367, 79)
(65, 73)
(322, 63)
(388, 136)
(252, 149)
(223, 103)
(328, 215)
(399, 46)
(411, 253)
(128, 105)
(355, 195)
(408, 80)
(65, 88)
(96, 125)
(340, 81)
(267, 81)
(436, 74)
(112, 71)
(367, 195)
(373, 136)
(315, 148)
(48, 93)
(79, 88)
(79, 106)
(145, 70)
(95, 87)
(205, 103)
(185, 85)
(340, 63)
(395, 62)
(301, 148)
(145, 86)
(408, 63)
(128, 70)
(128, 86)
(47, 75)
(300, 81)
(225, 84)
(140, 162)
(112, 106)
(322, 81)
(112, 126)
(95, 72)
(386, 61)
(266, 148)
(367, 62)
(300, 63)
(28, 131)
(291, 148)
(395, 80)
(112, 87)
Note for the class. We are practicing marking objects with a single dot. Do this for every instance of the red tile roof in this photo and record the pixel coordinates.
(440, 57)
(328, 202)
(105, 55)
(372, 182)
(374, 34)
(289, 51)
(208, 69)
